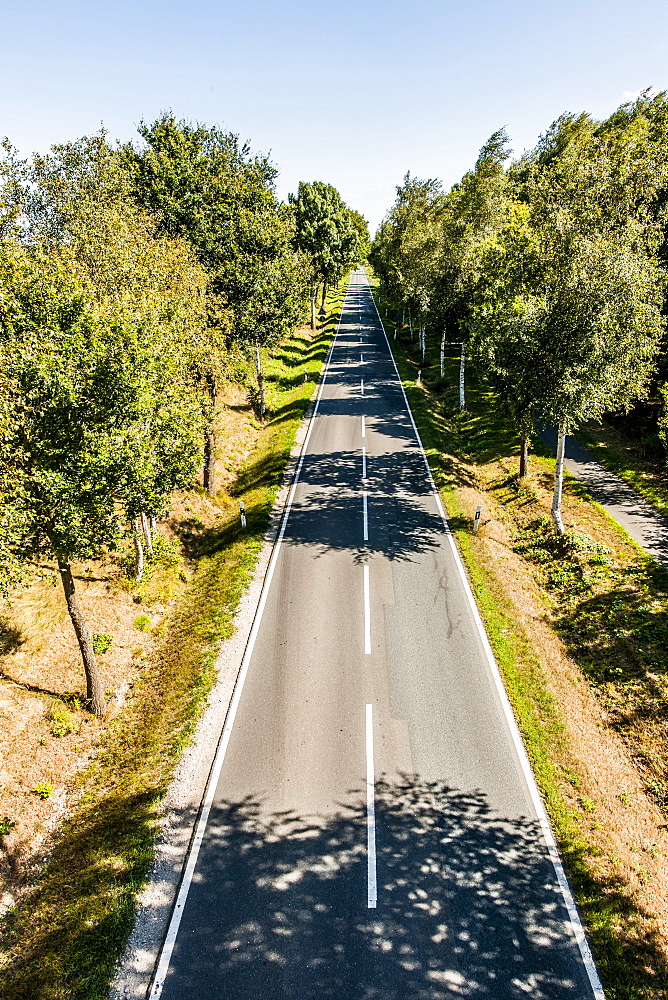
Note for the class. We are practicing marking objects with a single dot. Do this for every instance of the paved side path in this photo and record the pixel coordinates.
(643, 523)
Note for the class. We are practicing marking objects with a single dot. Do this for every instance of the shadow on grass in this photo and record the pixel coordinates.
(75, 699)
(11, 637)
(297, 356)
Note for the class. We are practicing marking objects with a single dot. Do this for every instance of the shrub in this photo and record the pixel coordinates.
(44, 790)
(102, 642)
(143, 623)
(6, 826)
(62, 722)
(166, 552)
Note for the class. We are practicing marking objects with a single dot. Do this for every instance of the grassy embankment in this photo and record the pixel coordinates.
(604, 604)
(66, 934)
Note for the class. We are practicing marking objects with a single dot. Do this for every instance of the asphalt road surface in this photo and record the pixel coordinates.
(371, 832)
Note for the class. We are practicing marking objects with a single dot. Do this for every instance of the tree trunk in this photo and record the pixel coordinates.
(94, 689)
(209, 476)
(147, 534)
(423, 346)
(260, 382)
(559, 480)
(462, 363)
(410, 324)
(443, 355)
(154, 528)
(139, 550)
(324, 294)
(314, 292)
(524, 456)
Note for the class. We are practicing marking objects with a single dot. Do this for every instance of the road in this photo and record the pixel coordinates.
(371, 829)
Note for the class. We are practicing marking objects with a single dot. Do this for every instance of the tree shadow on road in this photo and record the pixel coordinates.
(402, 516)
(467, 905)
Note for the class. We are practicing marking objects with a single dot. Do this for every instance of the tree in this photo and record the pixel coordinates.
(214, 193)
(363, 237)
(331, 238)
(99, 424)
(568, 312)
(98, 327)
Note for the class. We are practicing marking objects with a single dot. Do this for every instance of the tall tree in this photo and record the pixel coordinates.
(327, 233)
(96, 425)
(99, 321)
(212, 191)
(567, 314)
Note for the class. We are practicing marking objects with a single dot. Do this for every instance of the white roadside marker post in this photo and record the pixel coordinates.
(242, 513)
(476, 520)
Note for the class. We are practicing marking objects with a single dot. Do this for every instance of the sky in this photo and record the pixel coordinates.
(354, 94)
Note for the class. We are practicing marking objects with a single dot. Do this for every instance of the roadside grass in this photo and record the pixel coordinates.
(608, 606)
(619, 454)
(67, 933)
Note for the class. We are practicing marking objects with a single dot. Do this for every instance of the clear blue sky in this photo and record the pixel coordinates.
(353, 94)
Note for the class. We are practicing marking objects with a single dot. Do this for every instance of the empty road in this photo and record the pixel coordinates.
(371, 829)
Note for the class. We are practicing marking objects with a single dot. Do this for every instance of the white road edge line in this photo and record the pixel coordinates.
(365, 515)
(577, 927)
(363, 462)
(361, 387)
(363, 427)
(367, 612)
(371, 881)
(165, 955)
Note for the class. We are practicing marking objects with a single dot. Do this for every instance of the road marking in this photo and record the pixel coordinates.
(371, 882)
(575, 922)
(361, 358)
(366, 517)
(164, 959)
(363, 463)
(367, 612)
(361, 386)
(363, 427)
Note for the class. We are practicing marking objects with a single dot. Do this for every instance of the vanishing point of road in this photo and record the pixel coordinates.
(371, 830)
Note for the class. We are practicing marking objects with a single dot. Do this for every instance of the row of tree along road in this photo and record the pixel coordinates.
(551, 271)
(132, 281)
